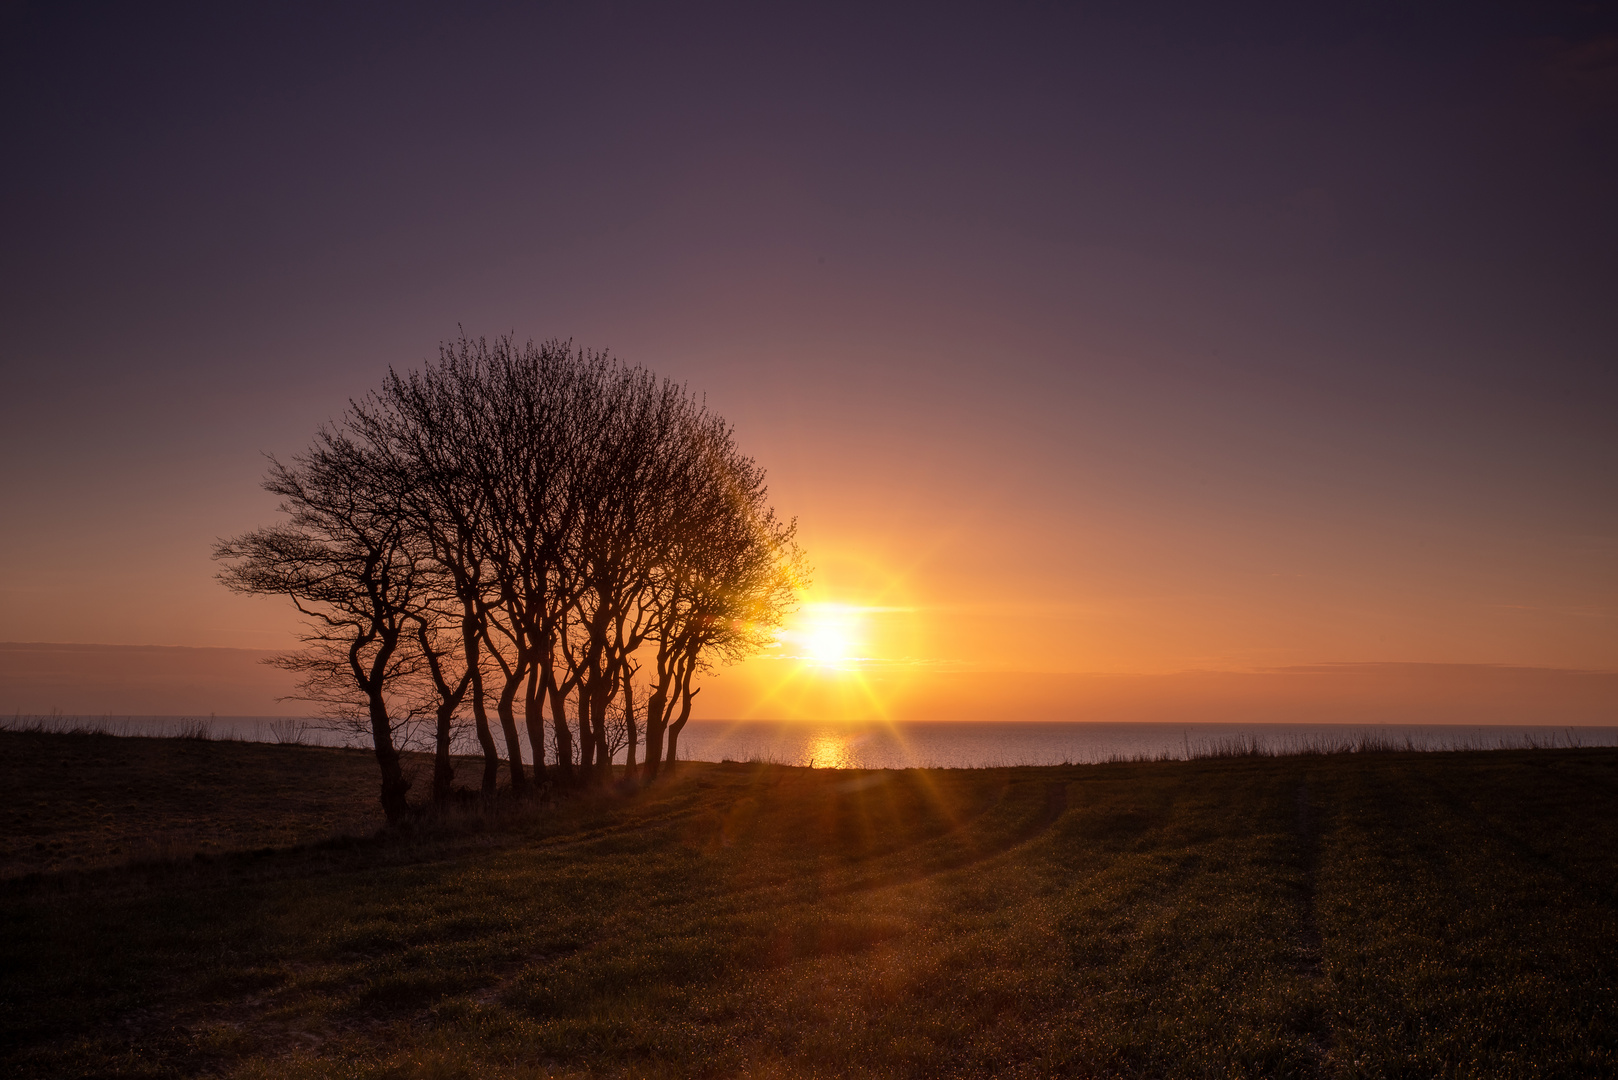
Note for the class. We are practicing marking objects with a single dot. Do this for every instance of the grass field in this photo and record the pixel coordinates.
(1376, 915)
(83, 801)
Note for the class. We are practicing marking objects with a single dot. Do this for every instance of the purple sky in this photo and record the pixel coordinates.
(1138, 339)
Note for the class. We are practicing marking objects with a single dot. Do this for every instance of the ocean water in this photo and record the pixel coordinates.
(923, 744)
(966, 744)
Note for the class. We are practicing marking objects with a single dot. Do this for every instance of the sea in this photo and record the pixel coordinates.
(921, 744)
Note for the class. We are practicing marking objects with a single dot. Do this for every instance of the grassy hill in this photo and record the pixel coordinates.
(1370, 915)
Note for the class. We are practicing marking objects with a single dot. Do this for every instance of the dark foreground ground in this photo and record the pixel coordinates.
(1410, 915)
(74, 802)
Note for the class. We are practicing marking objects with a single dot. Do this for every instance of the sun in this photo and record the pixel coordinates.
(835, 664)
(829, 636)
(829, 644)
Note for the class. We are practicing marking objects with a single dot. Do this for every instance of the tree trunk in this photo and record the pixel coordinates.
(491, 752)
(587, 741)
(506, 707)
(656, 722)
(448, 701)
(674, 750)
(677, 726)
(394, 785)
(594, 692)
(564, 735)
(480, 716)
(559, 726)
(629, 726)
(603, 773)
(373, 679)
(534, 720)
(443, 771)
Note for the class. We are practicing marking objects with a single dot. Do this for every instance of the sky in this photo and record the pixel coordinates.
(1082, 340)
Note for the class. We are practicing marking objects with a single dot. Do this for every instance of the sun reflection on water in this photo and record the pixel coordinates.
(831, 750)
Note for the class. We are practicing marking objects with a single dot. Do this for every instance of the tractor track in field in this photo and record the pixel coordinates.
(1055, 806)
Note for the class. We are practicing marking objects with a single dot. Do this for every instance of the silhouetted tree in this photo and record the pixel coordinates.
(730, 574)
(430, 425)
(536, 524)
(347, 561)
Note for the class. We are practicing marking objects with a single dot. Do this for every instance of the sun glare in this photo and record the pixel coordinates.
(829, 636)
(838, 661)
(829, 643)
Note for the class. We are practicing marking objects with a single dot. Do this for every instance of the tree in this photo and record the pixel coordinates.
(430, 425)
(631, 504)
(732, 572)
(534, 524)
(347, 561)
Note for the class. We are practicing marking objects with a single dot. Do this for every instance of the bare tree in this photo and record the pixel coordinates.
(531, 407)
(346, 560)
(485, 429)
(532, 524)
(733, 574)
(631, 475)
(430, 424)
